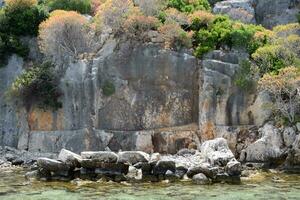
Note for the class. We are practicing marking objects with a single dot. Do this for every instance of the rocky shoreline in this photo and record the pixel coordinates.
(212, 163)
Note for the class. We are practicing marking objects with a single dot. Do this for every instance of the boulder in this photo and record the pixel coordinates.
(133, 157)
(233, 168)
(298, 126)
(52, 165)
(155, 157)
(186, 152)
(100, 156)
(163, 166)
(225, 178)
(171, 176)
(236, 9)
(110, 169)
(145, 167)
(200, 179)
(266, 149)
(270, 13)
(293, 158)
(216, 152)
(203, 168)
(289, 136)
(69, 158)
(181, 171)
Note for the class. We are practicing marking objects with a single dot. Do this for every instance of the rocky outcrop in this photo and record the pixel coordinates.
(269, 148)
(270, 13)
(133, 166)
(13, 122)
(237, 9)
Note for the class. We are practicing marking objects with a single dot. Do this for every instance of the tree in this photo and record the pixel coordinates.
(64, 34)
(82, 6)
(113, 13)
(22, 17)
(284, 88)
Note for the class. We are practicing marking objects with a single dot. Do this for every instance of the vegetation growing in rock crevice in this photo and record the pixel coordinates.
(38, 85)
(177, 24)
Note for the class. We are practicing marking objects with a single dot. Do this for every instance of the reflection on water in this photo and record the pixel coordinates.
(14, 186)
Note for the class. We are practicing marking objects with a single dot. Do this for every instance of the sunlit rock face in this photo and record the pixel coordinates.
(12, 120)
(162, 101)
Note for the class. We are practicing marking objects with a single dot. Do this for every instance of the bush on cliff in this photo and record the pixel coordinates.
(136, 26)
(113, 13)
(175, 37)
(64, 34)
(22, 17)
(189, 6)
(37, 85)
(284, 89)
(81, 6)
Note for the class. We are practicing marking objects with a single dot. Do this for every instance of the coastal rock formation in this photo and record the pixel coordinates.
(242, 10)
(269, 13)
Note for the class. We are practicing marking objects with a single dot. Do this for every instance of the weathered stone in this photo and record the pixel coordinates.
(52, 165)
(145, 167)
(225, 178)
(69, 158)
(200, 179)
(133, 157)
(298, 126)
(110, 169)
(171, 176)
(233, 168)
(155, 157)
(237, 9)
(204, 168)
(100, 156)
(293, 158)
(163, 166)
(32, 175)
(181, 171)
(289, 136)
(186, 152)
(270, 13)
(174, 140)
(17, 161)
(216, 152)
(267, 148)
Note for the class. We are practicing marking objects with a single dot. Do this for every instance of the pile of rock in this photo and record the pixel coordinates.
(215, 163)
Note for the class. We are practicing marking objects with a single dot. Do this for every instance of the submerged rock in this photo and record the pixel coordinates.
(200, 179)
(53, 165)
(233, 168)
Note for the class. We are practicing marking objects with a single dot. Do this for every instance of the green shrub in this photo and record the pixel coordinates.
(22, 20)
(38, 85)
(11, 44)
(108, 88)
(244, 78)
(272, 58)
(205, 41)
(81, 6)
(189, 6)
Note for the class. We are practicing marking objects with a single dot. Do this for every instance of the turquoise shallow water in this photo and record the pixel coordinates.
(13, 186)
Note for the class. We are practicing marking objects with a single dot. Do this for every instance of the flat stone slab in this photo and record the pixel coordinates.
(100, 156)
(69, 158)
(133, 157)
(52, 165)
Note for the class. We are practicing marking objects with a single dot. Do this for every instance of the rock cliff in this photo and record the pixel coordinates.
(163, 101)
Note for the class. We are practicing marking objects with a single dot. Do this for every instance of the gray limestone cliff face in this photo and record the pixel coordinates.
(269, 13)
(155, 88)
(163, 101)
(12, 120)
